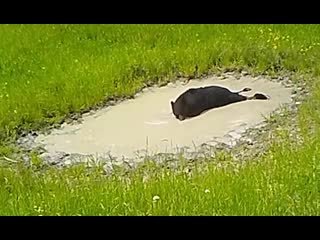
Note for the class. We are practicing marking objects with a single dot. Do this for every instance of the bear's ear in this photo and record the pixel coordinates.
(172, 107)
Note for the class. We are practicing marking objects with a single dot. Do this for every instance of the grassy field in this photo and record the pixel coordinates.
(48, 72)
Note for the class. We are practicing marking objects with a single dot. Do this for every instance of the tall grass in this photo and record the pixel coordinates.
(284, 182)
(50, 71)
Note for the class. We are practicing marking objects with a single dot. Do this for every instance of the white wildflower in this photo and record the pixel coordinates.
(155, 198)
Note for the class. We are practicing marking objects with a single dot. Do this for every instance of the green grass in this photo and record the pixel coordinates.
(48, 72)
(285, 182)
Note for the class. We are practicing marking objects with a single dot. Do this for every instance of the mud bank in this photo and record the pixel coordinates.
(144, 126)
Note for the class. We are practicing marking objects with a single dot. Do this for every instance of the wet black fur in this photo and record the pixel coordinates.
(195, 101)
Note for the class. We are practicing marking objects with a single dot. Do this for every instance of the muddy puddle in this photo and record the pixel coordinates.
(147, 125)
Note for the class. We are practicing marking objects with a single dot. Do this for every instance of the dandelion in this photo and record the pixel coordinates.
(207, 191)
(155, 198)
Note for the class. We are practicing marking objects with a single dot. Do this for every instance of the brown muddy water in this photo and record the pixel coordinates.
(146, 124)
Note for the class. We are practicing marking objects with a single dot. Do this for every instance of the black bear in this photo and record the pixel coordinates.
(195, 101)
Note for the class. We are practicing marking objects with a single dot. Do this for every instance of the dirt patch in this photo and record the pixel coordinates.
(144, 126)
